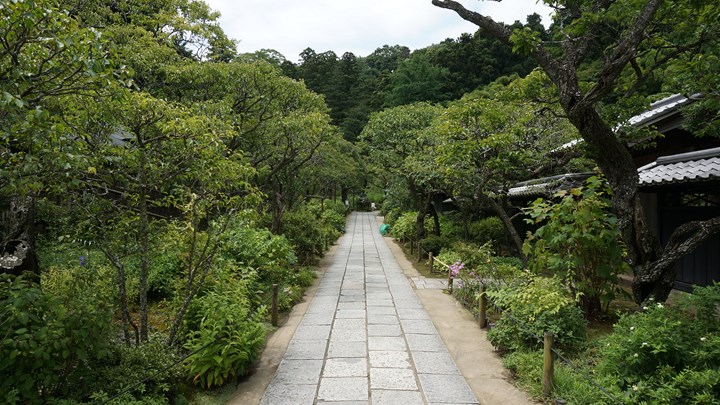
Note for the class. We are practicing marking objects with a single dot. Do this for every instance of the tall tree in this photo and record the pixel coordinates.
(417, 79)
(46, 58)
(391, 139)
(279, 124)
(595, 44)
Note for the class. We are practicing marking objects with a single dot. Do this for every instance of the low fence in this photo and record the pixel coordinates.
(550, 354)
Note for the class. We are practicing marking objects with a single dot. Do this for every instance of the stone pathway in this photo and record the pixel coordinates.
(365, 338)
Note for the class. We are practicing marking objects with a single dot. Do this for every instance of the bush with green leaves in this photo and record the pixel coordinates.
(579, 241)
(451, 226)
(310, 230)
(405, 227)
(225, 334)
(479, 267)
(258, 248)
(130, 367)
(668, 354)
(568, 384)
(481, 264)
(530, 308)
(51, 339)
(487, 230)
(434, 244)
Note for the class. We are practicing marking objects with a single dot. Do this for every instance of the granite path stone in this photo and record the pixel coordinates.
(366, 338)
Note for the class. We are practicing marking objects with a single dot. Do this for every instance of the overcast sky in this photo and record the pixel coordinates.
(357, 26)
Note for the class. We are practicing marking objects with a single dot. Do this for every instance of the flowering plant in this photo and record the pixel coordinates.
(455, 268)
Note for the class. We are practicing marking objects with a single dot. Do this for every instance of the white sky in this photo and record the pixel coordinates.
(357, 26)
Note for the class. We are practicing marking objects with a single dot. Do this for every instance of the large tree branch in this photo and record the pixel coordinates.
(501, 32)
(624, 52)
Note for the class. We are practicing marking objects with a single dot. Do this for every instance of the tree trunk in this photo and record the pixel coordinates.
(144, 248)
(18, 253)
(618, 167)
(436, 218)
(507, 222)
(420, 223)
(277, 211)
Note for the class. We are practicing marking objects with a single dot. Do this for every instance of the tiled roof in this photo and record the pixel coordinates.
(703, 165)
(659, 110)
(547, 186)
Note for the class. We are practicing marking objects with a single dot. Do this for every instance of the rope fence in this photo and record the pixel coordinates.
(547, 340)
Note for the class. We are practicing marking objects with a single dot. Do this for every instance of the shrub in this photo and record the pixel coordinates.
(392, 216)
(258, 248)
(667, 354)
(580, 242)
(487, 230)
(228, 337)
(451, 226)
(532, 307)
(434, 244)
(310, 230)
(405, 228)
(568, 384)
(481, 265)
(50, 341)
(130, 366)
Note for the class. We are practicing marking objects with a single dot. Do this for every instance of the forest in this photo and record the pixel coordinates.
(155, 184)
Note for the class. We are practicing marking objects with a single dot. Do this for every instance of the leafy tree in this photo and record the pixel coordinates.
(391, 138)
(146, 158)
(46, 58)
(279, 124)
(486, 145)
(387, 58)
(417, 79)
(597, 49)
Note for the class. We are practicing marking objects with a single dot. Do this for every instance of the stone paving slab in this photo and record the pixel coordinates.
(365, 337)
(446, 389)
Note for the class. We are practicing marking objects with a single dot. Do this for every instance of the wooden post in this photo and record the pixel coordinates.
(548, 365)
(450, 281)
(412, 246)
(482, 316)
(419, 252)
(431, 260)
(274, 310)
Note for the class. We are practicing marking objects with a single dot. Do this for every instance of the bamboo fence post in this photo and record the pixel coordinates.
(274, 310)
(548, 365)
(431, 260)
(412, 246)
(482, 316)
(450, 280)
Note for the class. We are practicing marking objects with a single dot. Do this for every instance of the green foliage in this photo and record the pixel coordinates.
(451, 226)
(481, 264)
(50, 340)
(405, 228)
(310, 231)
(667, 354)
(531, 308)
(129, 365)
(568, 384)
(434, 244)
(490, 229)
(417, 79)
(259, 249)
(524, 40)
(579, 241)
(228, 336)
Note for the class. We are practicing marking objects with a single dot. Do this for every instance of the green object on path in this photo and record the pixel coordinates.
(384, 229)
